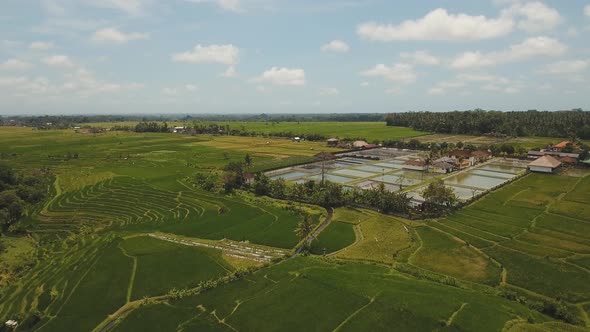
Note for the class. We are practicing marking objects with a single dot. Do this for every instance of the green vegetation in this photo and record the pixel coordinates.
(135, 231)
(161, 266)
(336, 236)
(347, 297)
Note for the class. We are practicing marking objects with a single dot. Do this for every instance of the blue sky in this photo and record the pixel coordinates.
(272, 56)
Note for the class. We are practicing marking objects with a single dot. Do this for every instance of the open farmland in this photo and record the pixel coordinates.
(126, 241)
(540, 246)
(369, 131)
(348, 297)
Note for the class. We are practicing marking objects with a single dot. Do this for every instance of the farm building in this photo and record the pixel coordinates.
(179, 129)
(359, 144)
(442, 166)
(464, 158)
(559, 146)
(333, 142)
(481, 155)
(545, 164)
(416, 165)
(297, 139)
(536, 154)
(568, 160)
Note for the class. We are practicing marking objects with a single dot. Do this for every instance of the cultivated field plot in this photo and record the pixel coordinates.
(479, 179)
(129, 204)
(346, 297)
(537, 230)
(351, 171)
(96, 279)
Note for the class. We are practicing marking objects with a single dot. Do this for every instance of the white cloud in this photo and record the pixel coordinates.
(364, 84)
(587, 10)
(439, 25)
(131, 7)
(486, 82)
(41, 46)
(399, 72)
(436, 91)
(329, 92)
(420, 58)
(229, 72)
(224, 54)
(260, 88)
(531, 47)
(536, 16)
(112, 35)
(80, 83)
(15, 64)
(175, 91)
(62, 61)
(191, 87)
(283, 76)
(229, 5)
(566, 67)
(336, 46)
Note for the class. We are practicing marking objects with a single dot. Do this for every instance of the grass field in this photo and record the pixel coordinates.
(366, 130)
(348, 297)
(379, 238)
(537, 229)
(123, 222)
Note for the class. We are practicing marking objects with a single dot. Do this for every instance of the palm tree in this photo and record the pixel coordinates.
(304, 227)
(323, 157)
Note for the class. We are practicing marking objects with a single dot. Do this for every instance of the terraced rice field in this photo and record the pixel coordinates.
(133, 205)
(527, 230)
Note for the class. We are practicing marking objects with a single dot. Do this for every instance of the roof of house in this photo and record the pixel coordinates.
(553, 153)
(546, 161)
(448, 160)
(481, 153)
(443, 165)
(359, 143)
(561, 145)
(370, 146)
(461, 153)
(333, 140)
(415, 162)
(568, 160)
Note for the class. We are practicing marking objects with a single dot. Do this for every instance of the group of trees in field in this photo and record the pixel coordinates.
(531, 123)
(17, 193)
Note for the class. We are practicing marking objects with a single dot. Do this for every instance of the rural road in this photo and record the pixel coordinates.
(318, 230)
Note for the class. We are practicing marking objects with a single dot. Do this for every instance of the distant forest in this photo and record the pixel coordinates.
(574, 123)
(66, 121)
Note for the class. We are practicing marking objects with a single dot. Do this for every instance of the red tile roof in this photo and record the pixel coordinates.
(561, 145)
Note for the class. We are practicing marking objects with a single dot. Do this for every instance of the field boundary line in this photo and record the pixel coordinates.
(455, 313)
(351, 316)
(133, 271)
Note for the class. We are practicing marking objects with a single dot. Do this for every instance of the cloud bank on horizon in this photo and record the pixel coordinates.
(254, 56)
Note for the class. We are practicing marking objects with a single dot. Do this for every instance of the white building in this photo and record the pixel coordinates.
(545, 164)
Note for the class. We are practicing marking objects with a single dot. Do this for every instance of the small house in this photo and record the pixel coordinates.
(544, 164)
(568, 160)
(333, 142)
(464, 158)
(11, 323)
(179, 129)
(297, 139)
(442, 166)
(481, 155)
(359, 144)
(559, 146)
(416, 165)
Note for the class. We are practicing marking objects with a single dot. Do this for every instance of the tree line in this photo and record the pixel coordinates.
(18, 193)
(574, 123)
(439, 199)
